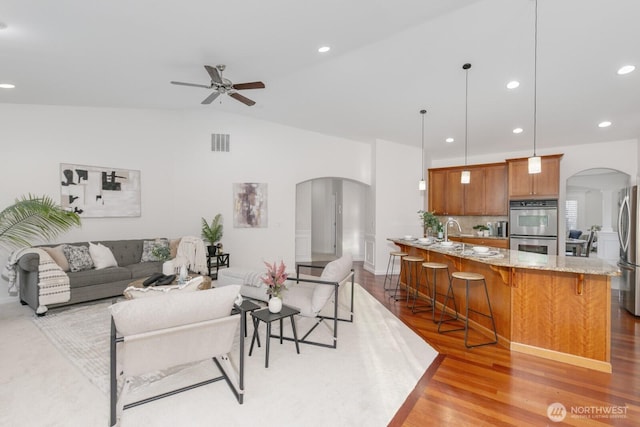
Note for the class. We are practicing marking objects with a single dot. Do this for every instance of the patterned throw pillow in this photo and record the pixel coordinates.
(149, 245)
(78, 257)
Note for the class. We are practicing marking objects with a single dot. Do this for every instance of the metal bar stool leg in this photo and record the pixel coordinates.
(388, 277)
(412, 280)
(468, 278)
(431, 304)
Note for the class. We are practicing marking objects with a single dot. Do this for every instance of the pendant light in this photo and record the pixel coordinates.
(422, 185)
(465, 177)
(535, 163)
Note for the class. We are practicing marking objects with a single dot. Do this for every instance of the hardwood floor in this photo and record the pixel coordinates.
(490, 386)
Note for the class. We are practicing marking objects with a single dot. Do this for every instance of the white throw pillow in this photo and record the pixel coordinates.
(102, 256)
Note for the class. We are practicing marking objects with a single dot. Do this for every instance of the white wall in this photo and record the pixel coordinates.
(397, 198)
(182, 180)
(353, 218)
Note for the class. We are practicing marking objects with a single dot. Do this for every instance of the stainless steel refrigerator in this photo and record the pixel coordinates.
(629, 263)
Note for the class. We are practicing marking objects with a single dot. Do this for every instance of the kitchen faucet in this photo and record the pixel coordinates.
(446, 228)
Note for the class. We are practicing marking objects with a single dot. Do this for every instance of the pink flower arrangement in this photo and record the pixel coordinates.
(275, 279)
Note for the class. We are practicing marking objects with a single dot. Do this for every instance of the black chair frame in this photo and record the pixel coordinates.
(320, 319)
(114, 375)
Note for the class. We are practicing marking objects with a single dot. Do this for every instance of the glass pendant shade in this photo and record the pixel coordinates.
(422, 185)
(535, 164)
(465, 177)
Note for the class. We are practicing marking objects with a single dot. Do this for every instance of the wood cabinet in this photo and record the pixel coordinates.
(486, 193)
(546, 184)
(446, 194)
(482, 241)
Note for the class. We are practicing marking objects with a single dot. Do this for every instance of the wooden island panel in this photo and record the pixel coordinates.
(547, 312)
(567, 313)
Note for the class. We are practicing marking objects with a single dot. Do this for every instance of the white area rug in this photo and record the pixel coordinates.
(363, 382)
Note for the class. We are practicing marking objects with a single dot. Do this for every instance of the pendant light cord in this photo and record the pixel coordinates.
(466, 67)
(535, 77)
(423, 112)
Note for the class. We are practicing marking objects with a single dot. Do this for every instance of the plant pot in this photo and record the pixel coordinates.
(275, 305)
(212, 249)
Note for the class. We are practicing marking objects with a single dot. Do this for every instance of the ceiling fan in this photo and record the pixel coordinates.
(221, 85)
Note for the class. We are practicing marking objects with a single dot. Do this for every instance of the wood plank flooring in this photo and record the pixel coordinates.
(491, 386)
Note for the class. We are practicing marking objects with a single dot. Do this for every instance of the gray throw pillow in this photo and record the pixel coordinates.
(149, 245)
(78, 257)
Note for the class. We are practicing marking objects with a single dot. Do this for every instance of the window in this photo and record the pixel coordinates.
(571, 214)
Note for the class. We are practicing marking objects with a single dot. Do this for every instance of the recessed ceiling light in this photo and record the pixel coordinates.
(324, 49)
(513, 84)
(517, 130)
(604, 124)
(626, 69)
(449, 140)
(6, 86)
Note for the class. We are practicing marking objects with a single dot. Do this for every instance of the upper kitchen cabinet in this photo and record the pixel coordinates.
(544, 185)
(486, 193)
(446, 195)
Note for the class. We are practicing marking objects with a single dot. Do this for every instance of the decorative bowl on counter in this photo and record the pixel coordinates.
(424, 240)
(408, 237)
(481, 249)
(447, 244)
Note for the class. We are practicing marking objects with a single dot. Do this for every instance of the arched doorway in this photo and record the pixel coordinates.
(592, 202)
(330, 219)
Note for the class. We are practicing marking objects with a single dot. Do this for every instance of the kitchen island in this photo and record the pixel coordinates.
(554, 307)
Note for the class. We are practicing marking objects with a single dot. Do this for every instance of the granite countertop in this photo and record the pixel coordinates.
(519, 259)
(475, 236)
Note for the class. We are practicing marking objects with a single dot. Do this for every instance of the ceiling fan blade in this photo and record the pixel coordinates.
(209, 99)
(213, 72)
(242, 99)
(251, 85)
(191, 84)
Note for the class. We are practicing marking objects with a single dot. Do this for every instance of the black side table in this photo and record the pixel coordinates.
(246, 306)
(216, 261)
(267, 317)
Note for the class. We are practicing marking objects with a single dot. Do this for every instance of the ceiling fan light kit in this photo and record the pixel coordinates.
(221, 85)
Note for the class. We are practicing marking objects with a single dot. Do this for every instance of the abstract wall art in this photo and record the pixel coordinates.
(250, 205)
(98, 192)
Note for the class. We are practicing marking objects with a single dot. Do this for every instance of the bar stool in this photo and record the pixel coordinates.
(390, 268)
(437, 266)
(411, 263)
(470, 277)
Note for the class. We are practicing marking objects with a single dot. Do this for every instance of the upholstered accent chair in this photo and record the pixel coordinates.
(151, 334)
(319, 297)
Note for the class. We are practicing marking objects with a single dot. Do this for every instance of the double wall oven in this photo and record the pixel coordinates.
(534, 226)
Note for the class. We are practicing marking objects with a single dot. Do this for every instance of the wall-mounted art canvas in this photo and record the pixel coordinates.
(98, 192)
(250, 205)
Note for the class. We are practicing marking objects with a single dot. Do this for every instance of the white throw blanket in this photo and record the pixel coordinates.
(193, 251)
(53, 282)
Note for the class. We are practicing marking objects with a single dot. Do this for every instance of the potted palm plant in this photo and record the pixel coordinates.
(212, 233)
(34, 218)
(429, 222)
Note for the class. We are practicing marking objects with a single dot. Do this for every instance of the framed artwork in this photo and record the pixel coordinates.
(99, 192)
(250, 205)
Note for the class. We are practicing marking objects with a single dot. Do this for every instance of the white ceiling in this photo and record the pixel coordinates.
(389, 59)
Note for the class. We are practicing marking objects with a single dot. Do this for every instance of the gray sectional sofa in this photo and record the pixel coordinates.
(88, 285)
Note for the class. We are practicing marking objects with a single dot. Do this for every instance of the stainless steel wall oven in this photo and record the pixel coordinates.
(534, 226)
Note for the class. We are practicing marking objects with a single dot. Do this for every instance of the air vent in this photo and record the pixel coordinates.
(220, 142)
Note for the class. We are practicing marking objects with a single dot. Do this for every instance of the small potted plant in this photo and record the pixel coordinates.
(481, 230)
(275, 280)
(429, 222)
(212, 233)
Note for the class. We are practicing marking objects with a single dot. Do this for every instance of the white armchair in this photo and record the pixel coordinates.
(318, 297)
(157, 333)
